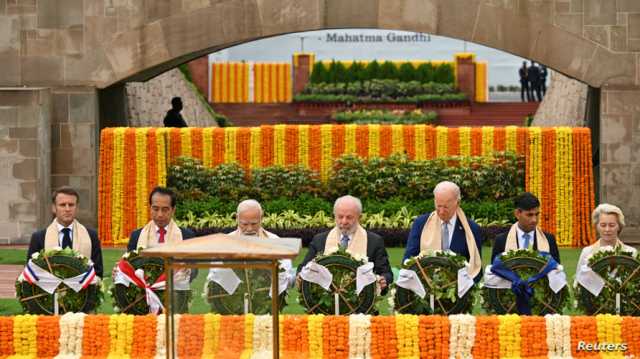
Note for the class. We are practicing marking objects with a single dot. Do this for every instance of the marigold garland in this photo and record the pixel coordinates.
(434, 334)
(384, 341)
(144, 341)
(210, 339)
(24, 333)
(48, 329)
(487, 341)
(6, 336)
(408, 339)
(314, 325)
(509, 336)
(335, 335)
(132, 161)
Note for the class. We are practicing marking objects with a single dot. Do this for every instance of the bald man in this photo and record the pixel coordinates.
(447, 228)
(348, 234)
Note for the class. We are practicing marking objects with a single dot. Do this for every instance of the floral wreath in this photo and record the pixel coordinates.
(620, 271)
(525, 263)
(144, 290)
(438, 272)
(59, 273)
(255, 286)
(343, 267)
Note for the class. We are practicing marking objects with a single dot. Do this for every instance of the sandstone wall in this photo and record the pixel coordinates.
(148, 102)
(564, 104)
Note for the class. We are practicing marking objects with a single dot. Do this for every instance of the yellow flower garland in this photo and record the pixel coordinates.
(278, 145)
(141, 177)
(487, 141)
(211, 330)
(535, 155)
(185, 142)
(303, 145)
(564, 185)
(374, 140)
(326, 160)
(465, 141)
(511, 135)
(314, 325)
(407, 333)
(24, 334)
(609, 331)
(117, 185)
(248, 336)
(509, 335)
(121, 335)
(161, 140)
(230, 144)
(207, 150)
(442, 141)
(256, 147)
(397, 139)
(350, 138)
(420, 141)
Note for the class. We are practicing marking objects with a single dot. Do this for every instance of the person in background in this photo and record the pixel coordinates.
(525, 91)
(173, 117)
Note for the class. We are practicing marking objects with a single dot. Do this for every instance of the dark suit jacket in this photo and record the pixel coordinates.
(375, 252)
(458, 240)
(37, 244)
(133, 238)
(501, 240)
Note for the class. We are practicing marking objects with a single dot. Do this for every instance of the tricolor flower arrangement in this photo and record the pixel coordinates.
(319, 336)
(559, 169)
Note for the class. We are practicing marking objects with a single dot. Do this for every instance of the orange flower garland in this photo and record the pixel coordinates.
(362, 141)
(548, 196)
(175, 144)
(583, 329)
(48, 335)
(534, 329)
(291, 139)
(476, 141)
(144, 341)
(384, 342)
(487, 341)
(243, 147)
(335, 334)
(631, 335)
(315, 142)
(434, 337)
(409, 133)
(232, 338)
(218, 146)
(129, 203)
(430, 146)
(196, 143)
(295, 337)
(499, 139)
(338, 141)
(386, 137)
(191, 336)
(6, 336)
(95, 336)
(105, 179)
(453, 148)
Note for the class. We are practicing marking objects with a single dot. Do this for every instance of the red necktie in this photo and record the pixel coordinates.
(162, 231)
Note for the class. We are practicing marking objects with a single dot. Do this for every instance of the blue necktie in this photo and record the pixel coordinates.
(526, 237)
(344, 241)
(445, 235)
(66, 238)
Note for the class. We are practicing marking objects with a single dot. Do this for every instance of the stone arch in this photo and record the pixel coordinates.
(527, 29)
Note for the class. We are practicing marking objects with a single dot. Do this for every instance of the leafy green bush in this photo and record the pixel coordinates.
(192, 180)
(380, 88)
(388, 117)
(288, 182)
(337, 71)
(480, 178)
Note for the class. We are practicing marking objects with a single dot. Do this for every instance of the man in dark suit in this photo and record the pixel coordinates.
(525, 90)
(173, 118)
(449, 223)
(350, 235)
(65, 231)
(161, 229)
(533, 74)
(525, 233)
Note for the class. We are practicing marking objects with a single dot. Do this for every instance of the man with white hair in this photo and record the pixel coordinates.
(348, 234)
(447, 228)
(249, 219)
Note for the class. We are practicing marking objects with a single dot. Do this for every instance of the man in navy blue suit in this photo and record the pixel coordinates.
(447, 228)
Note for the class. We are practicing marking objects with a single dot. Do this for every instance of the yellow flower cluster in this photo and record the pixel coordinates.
(442, 138)
(407, 333)
(117, 187)
(509, 335)
(314, 325)
(374, 140)
(211, 330)
(230, 145)
(397, 139)
(350, 138)
(185, 142)
(610, 331)
(465, 141)
(303, 145)
(535, 161)
(487, 141)
(421, 149)
(278, 144)
(511, 138)
(564, 185)
(161, 148)
(256, 147)
(121, 334)
(24, 334)
(141, 179)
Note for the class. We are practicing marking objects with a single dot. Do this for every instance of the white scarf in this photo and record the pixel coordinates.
(148, 239)
(80, 243)
(357, 245)
(512, 240)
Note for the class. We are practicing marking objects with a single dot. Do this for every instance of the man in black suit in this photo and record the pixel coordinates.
(350, 235)
(525, 90)
(161, 229)
(173, 117)
(525, 233)
(65, 231)
(533, 74)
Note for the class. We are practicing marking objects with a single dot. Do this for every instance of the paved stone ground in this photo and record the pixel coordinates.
(8, 275)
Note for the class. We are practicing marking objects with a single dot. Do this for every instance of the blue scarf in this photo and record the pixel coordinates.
(522, 288)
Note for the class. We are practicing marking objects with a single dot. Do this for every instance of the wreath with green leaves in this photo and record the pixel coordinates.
(131, 299)
(438, 272)
(63, 263)
(255, 287)
(343, 267)
(525, 263)
(620, 271)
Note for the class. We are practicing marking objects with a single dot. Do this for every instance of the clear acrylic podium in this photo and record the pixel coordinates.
(235, 252)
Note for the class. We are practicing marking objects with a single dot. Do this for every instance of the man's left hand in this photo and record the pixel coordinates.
(382, 282)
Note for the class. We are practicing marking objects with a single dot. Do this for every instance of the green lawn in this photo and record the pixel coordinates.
(569, 257)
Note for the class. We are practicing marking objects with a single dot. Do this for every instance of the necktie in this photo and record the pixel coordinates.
(66, 238)
(445, 235)
(344, 241)
(526, 237)
(162, 231)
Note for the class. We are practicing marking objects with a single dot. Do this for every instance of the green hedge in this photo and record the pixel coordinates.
(386, 117)
(338, 72)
